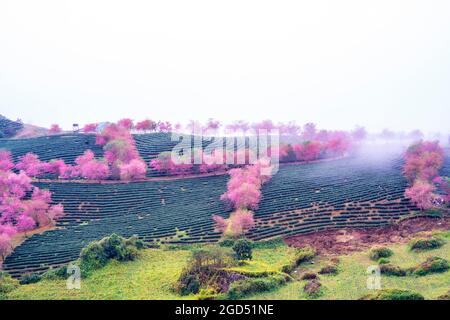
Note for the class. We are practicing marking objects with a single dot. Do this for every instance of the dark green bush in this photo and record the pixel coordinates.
(7, 284)
(309, 276)
(56, 273)
(226, 243)
(189, 284)
(393, 294)
(426, 244)
(313, 289)
(30, 278)
(330, 269)
(243, 288)
(243, 249)
(98, 253)
(392, 270)
(432, 265)
(377, 253)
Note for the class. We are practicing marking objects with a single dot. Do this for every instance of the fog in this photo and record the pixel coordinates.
(378, 64)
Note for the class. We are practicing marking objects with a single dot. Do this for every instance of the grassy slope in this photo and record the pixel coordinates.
(152, 276)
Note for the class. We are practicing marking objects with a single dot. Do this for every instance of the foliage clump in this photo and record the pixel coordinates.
(426, 244)
(205, 271)
(392, 270)
(245, 287)
(301, 256)
(243, 249)
(432, 265)
(313, 289)
(98, 253)
(377, 253)
(393, 294)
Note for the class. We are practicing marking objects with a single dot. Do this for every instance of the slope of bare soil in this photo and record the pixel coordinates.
(335, 242)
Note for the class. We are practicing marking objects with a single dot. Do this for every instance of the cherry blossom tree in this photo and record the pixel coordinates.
(146, 125)
(134, 170)
(126, 123)
(6, 162)
(421, 193)
(236, 225)
(31, 164)
(90, 127)
(55, 129)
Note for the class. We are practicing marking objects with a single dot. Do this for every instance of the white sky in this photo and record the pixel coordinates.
(337, 63)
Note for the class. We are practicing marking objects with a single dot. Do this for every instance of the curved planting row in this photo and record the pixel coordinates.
(66, 147)
(299, 199)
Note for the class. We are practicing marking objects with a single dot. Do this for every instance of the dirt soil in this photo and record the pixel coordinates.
(342, 241)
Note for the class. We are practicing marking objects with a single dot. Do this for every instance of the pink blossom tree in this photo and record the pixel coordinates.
(236, 225)
(126, 123)
(55, 129)
(421, 194)
(6, 162)
(31, 164)
(146, 125)
(134, 170)
(90, 128)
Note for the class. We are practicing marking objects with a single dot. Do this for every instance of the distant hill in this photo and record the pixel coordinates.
(9, 128)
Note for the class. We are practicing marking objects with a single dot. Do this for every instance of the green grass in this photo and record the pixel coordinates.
(152, 275)
(351, 281)
(149, 277)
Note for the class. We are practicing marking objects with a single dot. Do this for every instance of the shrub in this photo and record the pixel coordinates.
(243, 288)
(302, 255)
(309, 276)
(227, 243)
(313, 288)
(330, 269)
(377, 253)
(393, 294)
(56, 273)
(426, 244)
(243, 249)
(98, 253)
(432, 265)
(392, 270)
(30, 278)
(383, 261)
(7, 284)
(189, 284)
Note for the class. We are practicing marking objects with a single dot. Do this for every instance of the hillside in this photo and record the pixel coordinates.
(299, 199)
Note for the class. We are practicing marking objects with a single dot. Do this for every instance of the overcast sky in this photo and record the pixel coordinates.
(380, 64)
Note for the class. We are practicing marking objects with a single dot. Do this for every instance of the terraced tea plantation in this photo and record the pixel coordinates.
(352, 192)
(66, 146)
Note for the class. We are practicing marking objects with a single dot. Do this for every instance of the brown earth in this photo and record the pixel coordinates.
(342, 241)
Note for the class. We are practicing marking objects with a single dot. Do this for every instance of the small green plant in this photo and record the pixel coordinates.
(383, 261)
(227, 243)
(30, 278)
(189, 284)
(426, 244)
(432, 265)
(7, 284)
(394, 294)
(392, 270)
(243, 249)
(243, 288)
(330, 269)
(98, 253)
(377, 253)
(56, 273)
